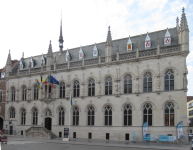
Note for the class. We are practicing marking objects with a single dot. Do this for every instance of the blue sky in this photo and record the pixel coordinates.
(28, 26)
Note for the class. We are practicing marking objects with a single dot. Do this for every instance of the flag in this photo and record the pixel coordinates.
(53, 80)
(38, 83)
(43, 80)
(48, 79)
(71, 100)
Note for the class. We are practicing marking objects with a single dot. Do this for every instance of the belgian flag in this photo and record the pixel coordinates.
(43, 80)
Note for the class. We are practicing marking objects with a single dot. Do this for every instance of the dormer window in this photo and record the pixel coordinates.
(129, 45)
(67, 55)
(21, 64)
(147, 41)
(33, 62)
(167, 39)
(81, 53)
(95, 51)
(43, 60)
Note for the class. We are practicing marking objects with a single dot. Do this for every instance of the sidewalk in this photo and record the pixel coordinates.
(106, 143)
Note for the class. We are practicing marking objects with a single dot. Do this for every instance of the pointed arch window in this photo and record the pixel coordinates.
(24, 92)
(127, 115)
(127, 84)
(169, 80)
(35, 116)
(91, 87)
(108, 86)
(1, 96)
(12, 113)
(61, 116)
(169, 114)
(147, 82)
(108, 115)
(13, 94)
(23, 117)
(91, 116)
(62, 90)
(75, 116)
(147, 114)
(36, 92)
(76, 88)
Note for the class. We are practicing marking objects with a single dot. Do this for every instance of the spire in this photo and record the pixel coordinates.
(61, 37)
(184, 23)
(109, 39)
(50, 54)
(9, 59)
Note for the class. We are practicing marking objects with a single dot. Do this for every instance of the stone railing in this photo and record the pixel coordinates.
(75, 64)
(38, 132)
(127, 56)
(12, 74)
(23, 72)
(91, 62)
(169, 49)
(62, 66)
(35, 70)
(48, 96)
(114, 58)
(44, 68)
(103, 60)
(52, 67)
(147, 52)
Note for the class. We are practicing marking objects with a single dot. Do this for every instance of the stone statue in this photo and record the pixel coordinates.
(99, 89)
(137, 85)
(82, 90)
(185, 81)
(158, 82)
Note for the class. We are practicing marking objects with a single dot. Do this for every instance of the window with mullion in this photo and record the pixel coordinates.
(13, 94)
(23, 115)
(169, 114)
(1, 96)
(91, 87)
(36, 92)
(127, 115)
(76, 88)
(12, 113)
(62, 90)
(108, 86)
(147, 82)
(108, 116)
(91, 116)
(127, 84)
(169, 80)
(75, 116)
(61, 116)
(35, 116)
(147, 114)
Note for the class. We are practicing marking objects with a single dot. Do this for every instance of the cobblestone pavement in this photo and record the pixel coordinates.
(18, 143)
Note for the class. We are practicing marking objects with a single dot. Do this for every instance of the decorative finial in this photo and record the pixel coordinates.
(183, 10)
(23, 55)
(50, 41)
(109, 28)
(9, 51)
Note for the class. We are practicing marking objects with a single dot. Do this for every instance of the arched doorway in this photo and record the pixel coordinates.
(48, 123)
(1, 123)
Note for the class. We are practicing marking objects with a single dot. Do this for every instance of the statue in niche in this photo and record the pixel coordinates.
(118, 88)
(7, 96)
(82, 90)
(185, 81)
(28, 94)
(158, 82)
(17, 95)
(99, 89)
(137, 85)
(54, 92)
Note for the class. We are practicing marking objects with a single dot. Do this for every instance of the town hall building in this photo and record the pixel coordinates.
(116, 87)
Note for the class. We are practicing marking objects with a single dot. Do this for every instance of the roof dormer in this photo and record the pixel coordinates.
(167, 38)
(43, 60)
(147, 41)
(129, 45)
(81, 53)
(95, 51)
(68, 55)
(32, 62)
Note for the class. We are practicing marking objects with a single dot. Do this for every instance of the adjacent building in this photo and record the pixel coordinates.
(116, 86)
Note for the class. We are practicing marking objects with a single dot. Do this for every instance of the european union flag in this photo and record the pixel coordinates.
(53, 80)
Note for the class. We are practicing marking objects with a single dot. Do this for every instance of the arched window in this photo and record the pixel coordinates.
(127, 84)
(35, 116)
(91, 116)
(23, 114)
(147, 82)
(75, 116)
(169, 80)
(91, 87)
(61, 116)
(36, 92)
(108, 86)
(147, 114)
(62, 90)
(76, 89)
(24, 92)
(127, 115)
(12, 113)
(108, 116)
(169, 114)
(1, 95)
(13, 94)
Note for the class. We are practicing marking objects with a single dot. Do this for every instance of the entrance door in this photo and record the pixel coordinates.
(48, 123)
(1, 124)
(11, 130)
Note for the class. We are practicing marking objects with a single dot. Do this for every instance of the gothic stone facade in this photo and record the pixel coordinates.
(116, 86)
